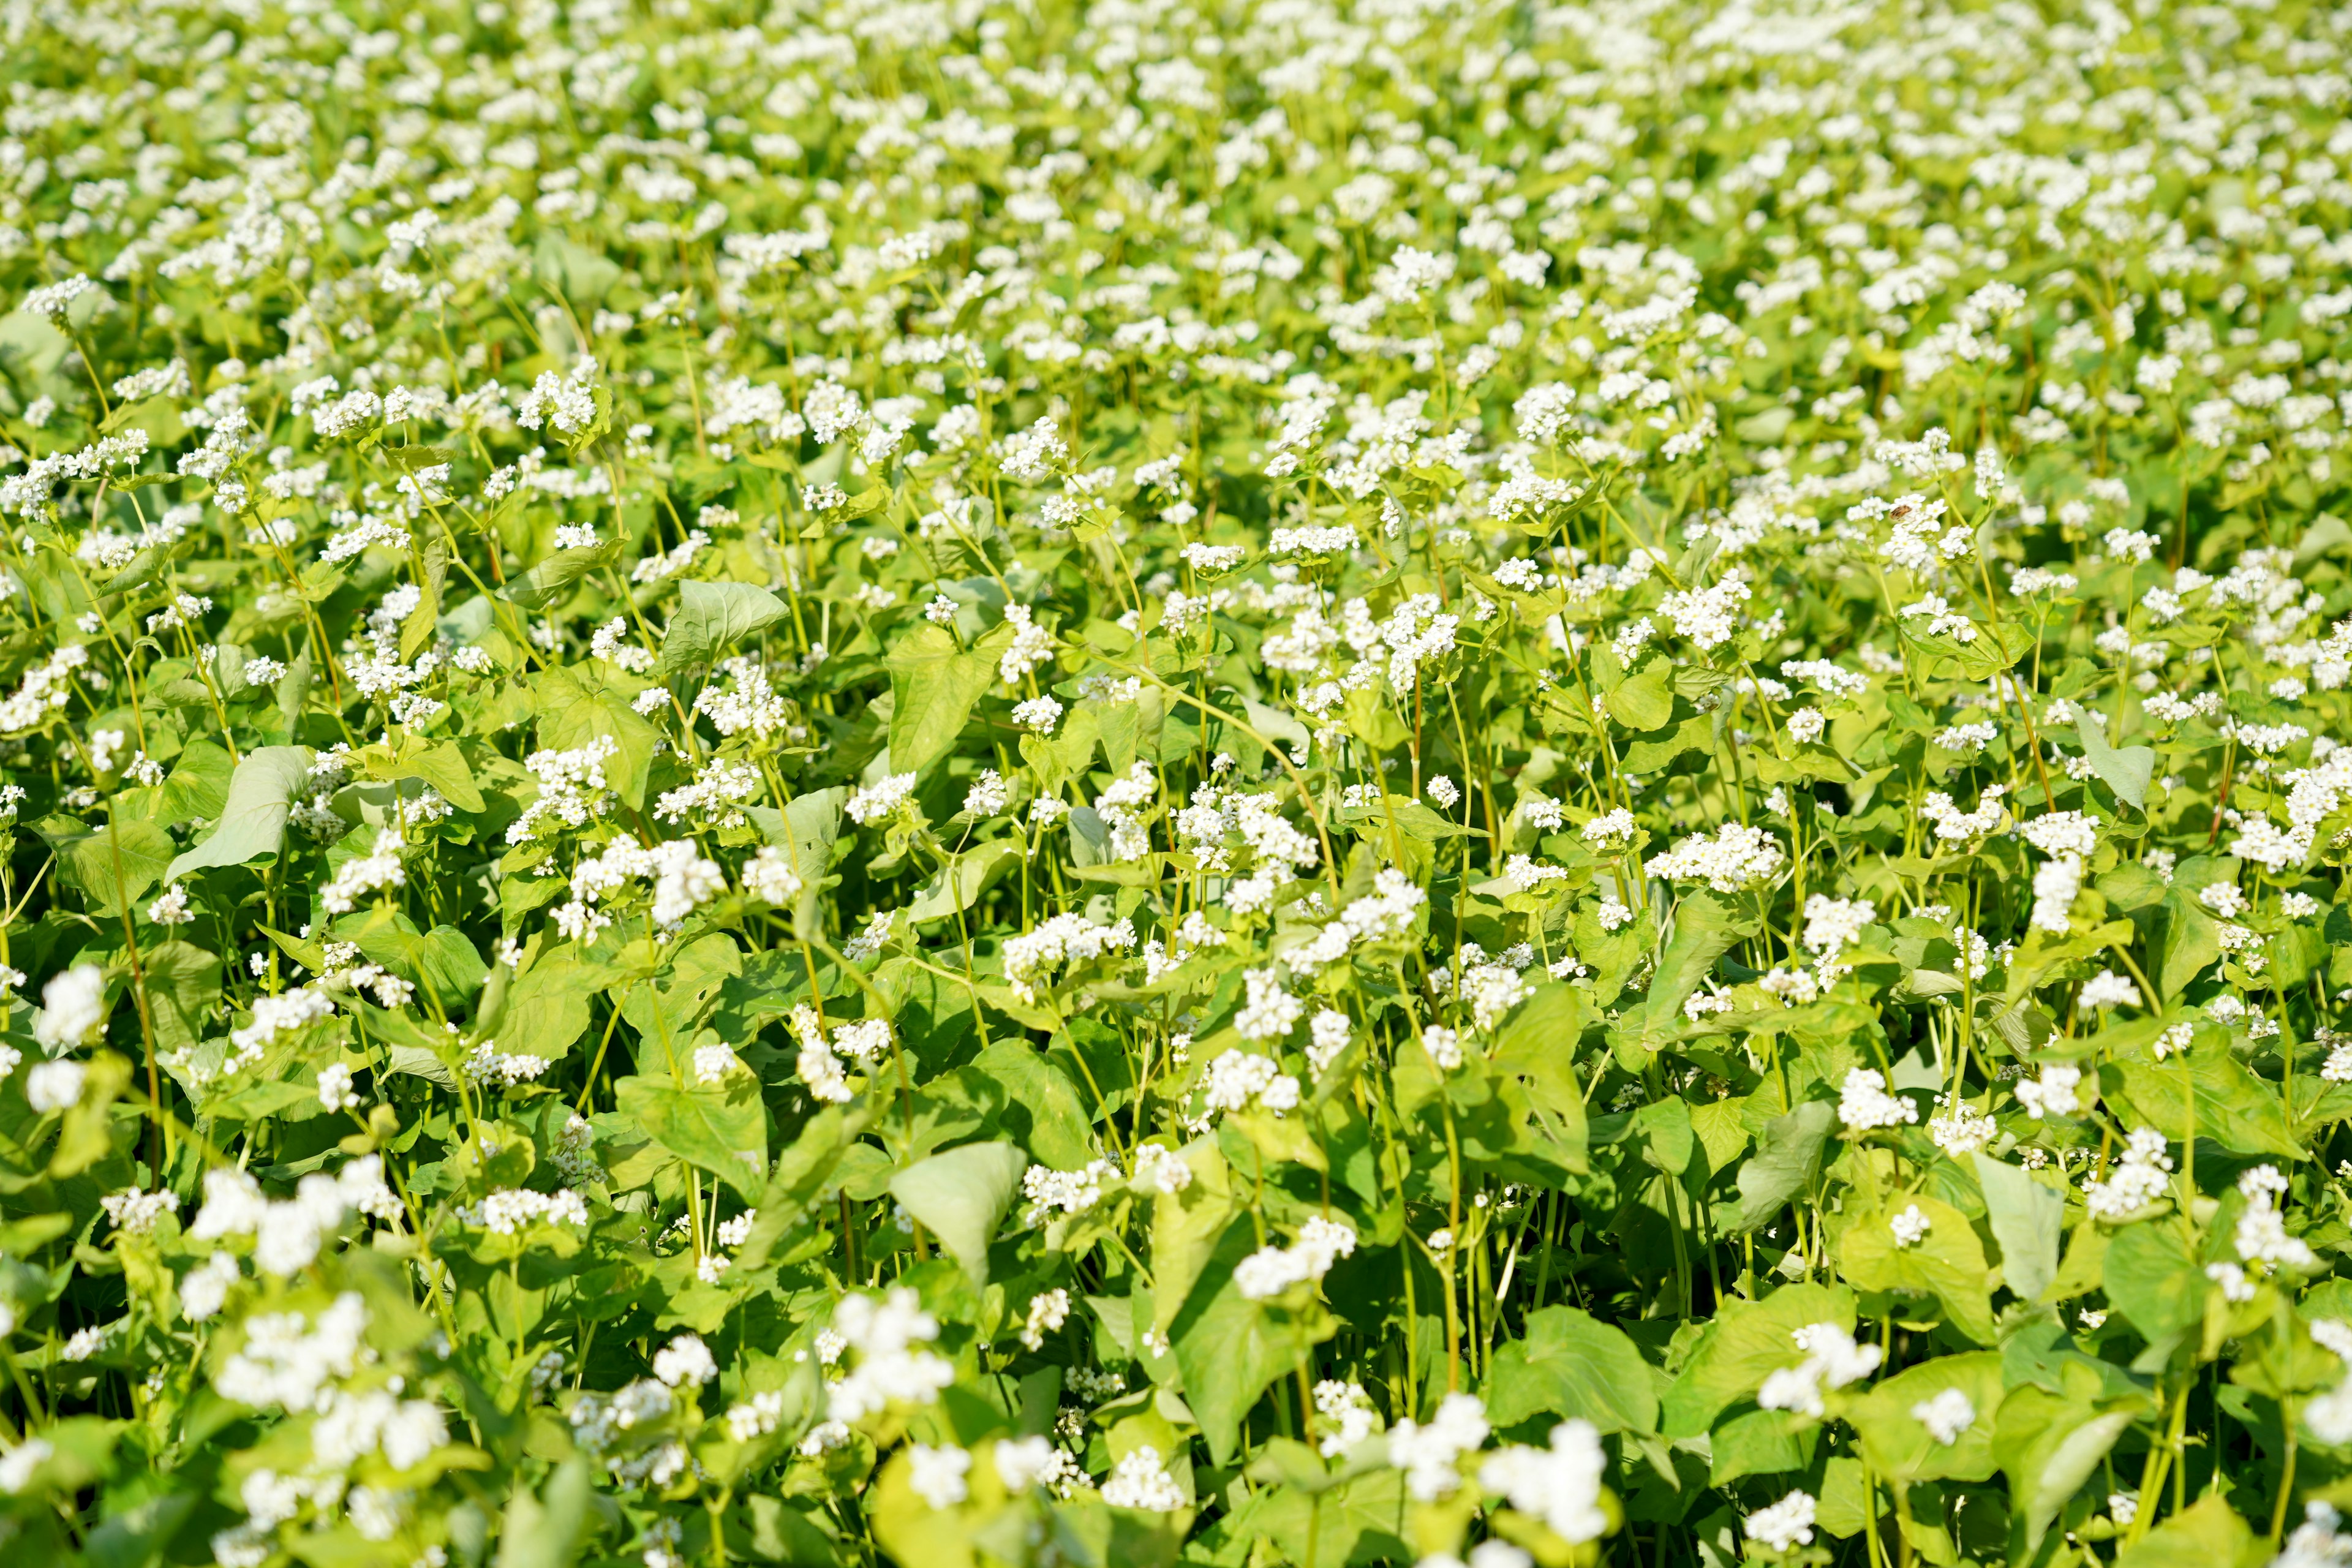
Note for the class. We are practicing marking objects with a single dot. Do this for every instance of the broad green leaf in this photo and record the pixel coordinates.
(1787, 1159)
(1186, 1228)
(1569, 1364)
(2027, 1219)
(1948, 1263)
(545, 584)
(721, 1128)
(2050, 1445)
(2126, 770)
(2206, 1534)
(252, 824)
(579, 704)
(1044, 1110)
(2155, 1279)
(1747, 1342)
(198, 787)
(960, 886)
(2203, 1092)
(1642, 701)
(1900, 1444)
(806, 829)
(543, 1530)
(1706, 926)
(116, 863)
(1358, 1522)
(438, 763)
(547, 1007)
(183, 987)
(961, 1196)
(581, 275)
(711, 616)
(1229, 1348)
(1648, 753)
(934, 686)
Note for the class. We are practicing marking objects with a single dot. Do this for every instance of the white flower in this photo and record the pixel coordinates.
(18, 1465)
(685, 1359)
(1430, 1456)
(1140, 1480)
(54, 1086)
(1025, 1462)
(937, 1475)
(205, 1288)
(1738, 856)
(1785, 1525)
(2053, 1094)
(1560, 1485)
(2108, 989)
(73, 1007)
(1947, 1416)
(335, 1091)
(1910, 1227)
(1833, 1358)
(1864, 1104)
(1039, 714)
(2140, 1178)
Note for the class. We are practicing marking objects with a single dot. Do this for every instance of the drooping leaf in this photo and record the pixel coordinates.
(1786, 1160)
(252, 824)
(961, 1196)
(2027, 1219)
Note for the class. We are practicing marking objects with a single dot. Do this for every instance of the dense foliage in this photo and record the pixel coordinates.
(981, 783)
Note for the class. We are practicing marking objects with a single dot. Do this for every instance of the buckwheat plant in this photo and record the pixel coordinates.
(1046, 785)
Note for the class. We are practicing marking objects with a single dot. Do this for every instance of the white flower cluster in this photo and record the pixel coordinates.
(1271, 1270)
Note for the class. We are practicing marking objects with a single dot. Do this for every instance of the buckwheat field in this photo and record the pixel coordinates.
(976, 785)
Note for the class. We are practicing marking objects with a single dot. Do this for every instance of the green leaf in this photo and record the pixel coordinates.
(1537, 1042)
(1648, 753)
(1747, 1342)
(2205, 1090)
(1706, 926)
(710, 616)
(545, 583)
(1229, 1348)
(2127, 771)
(252, 824)
(116, 863)
(1899, 1443)
(1043, 1107)
(2028, 1220)
(547, 1006)
(806, 830)
(721, 1127)
(438, 763)
(543, 1531)
(1948, 1263)
(934, 686)
(1785, 1162)
(1569, 1364)
(960, 886)
(961, 1196)
(581, 275)
(2206, 1534)
(1643, 701)
(1187, 1227)
(2154, 1278)
(2050, 1445)
(577, 704)
(183, 985)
